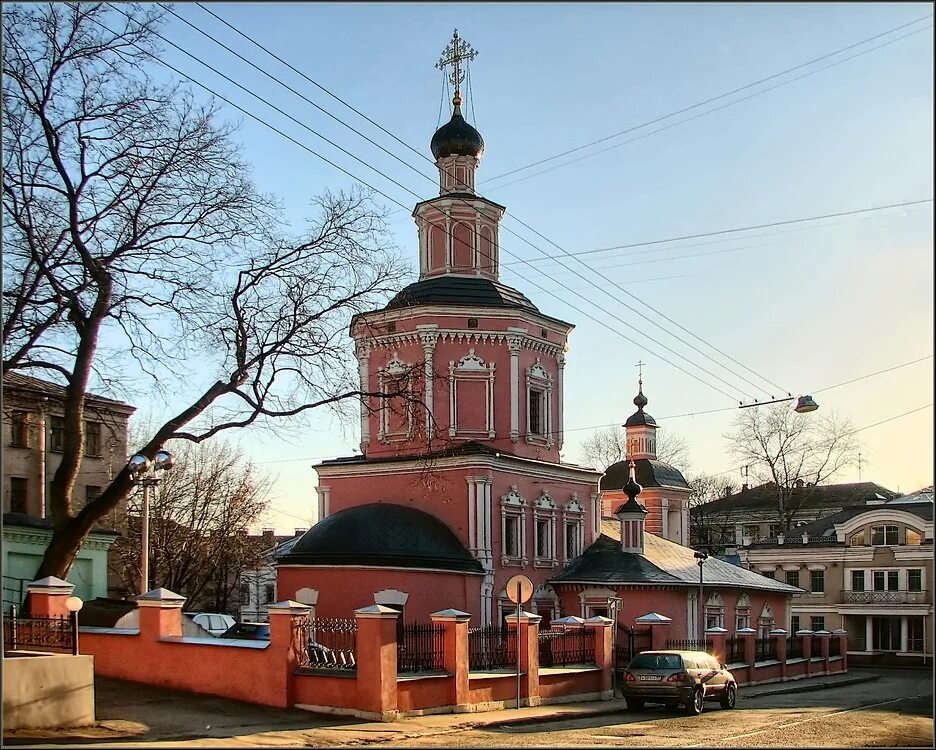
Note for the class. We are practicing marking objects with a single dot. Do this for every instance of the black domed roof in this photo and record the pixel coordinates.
(460, 290)
(382, 535)
(648, 471)
(640, 417)
(457, 137)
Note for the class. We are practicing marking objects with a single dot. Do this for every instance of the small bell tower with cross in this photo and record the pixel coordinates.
(640, 427)
(458, 230)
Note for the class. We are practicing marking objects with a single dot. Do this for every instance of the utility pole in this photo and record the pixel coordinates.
(859, 467)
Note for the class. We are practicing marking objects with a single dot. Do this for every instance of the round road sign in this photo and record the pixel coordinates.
(519, 589)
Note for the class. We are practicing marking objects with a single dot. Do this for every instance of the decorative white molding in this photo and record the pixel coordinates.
(471, 368)
(391, 597)
(398, 371)
(541, 381)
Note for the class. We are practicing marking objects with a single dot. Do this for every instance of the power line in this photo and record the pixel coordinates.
(707, 101)
(642, 346)
(735, 230)
(872, 374)
(513, 217)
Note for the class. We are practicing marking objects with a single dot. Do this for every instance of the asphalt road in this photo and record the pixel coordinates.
(896, 710)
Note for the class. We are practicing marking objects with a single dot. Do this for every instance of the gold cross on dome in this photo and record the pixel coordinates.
(639, 367)
(457, 52)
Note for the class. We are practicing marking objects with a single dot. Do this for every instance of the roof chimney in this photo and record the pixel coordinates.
(300, 531)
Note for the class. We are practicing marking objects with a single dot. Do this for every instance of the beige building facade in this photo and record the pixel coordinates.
(868, 570)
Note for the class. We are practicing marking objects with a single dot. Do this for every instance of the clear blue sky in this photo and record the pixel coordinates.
(808, 308)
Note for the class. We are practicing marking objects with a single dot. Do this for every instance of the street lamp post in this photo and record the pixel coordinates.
(701, 557)
(144, 470)
(804, 404)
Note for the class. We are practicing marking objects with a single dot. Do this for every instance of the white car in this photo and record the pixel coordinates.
(213, 622)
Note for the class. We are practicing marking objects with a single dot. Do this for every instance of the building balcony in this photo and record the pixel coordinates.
(883, 597)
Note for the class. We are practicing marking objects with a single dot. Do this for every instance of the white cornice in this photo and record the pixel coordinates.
(527, 466)
(508, 314)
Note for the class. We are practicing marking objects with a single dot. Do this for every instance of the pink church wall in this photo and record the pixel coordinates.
(649, 498)
(342, 590)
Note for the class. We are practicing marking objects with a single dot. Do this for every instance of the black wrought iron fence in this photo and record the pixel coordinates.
(38, 633)
(326, 643)
(766, 649)
(420, 647)
(560, 648)
(835, 646)
(794, 648)
(691, 644)
(735, 648)
(491, 647)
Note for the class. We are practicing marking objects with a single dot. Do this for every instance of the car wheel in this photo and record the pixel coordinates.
(634, 704)
(730, 697)
(696, 702)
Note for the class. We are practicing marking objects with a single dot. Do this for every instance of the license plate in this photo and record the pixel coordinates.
(651, 677)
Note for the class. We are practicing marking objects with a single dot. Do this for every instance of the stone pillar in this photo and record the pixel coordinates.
(284, 617)
(160, 614)
(842, 635)
(455, 658)
(377, 661)
(719, 639)
(46, 597)
(821, 638)
(780, 636)
(750, 650)
(526, 633)
(806, 635)
(602, 629)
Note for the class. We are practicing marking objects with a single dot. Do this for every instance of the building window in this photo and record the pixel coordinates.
(915, 579)
(858, 539)
(537, 412)
(885, 580)
(571, 540)
(512, 536)
(768, 573)
(57, 434)
(245, 593)
(817, 622)
(817, 581)
(742, 619)
(19, 429)
(19, 494)
(714, 617)
(269, 593)
(774, 531)
(751, 530)
(92, 491)
(857, 580)
(915, 634)
(792, 577)
(914, 537)
(883, 535)
(542, 539)
(93, 438)
(794, 624)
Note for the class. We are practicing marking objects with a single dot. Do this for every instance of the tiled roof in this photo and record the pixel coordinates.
(16, 381)
(663, 562)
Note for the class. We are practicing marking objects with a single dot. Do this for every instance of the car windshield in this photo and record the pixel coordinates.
(656, 661)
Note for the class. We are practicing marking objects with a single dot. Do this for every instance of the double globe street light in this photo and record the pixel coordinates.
(144, 471)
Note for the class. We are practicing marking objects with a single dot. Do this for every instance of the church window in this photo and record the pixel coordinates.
(544, 530)
(513, 536)
(574, 528)
(571, 540)
(471, 397)
(396, 384)
(539, 410)
(742, 618)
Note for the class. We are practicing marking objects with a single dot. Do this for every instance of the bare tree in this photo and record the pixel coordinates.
(792, 452)
(135, 244)
(200, 517)
(710, 532)
(608, 445)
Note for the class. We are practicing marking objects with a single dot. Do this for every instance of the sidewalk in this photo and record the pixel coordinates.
(137, 715)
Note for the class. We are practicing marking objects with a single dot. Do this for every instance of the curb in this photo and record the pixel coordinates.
(816, 686)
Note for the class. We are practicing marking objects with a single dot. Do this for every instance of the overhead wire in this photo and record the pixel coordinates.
(663, 328)
(642, 346)
(708, 101)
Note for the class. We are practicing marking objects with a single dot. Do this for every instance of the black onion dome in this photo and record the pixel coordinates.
(382, 535)
(640, 417)
(457, 137)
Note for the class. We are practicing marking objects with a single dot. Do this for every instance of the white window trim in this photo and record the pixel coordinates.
(471, 368)
(544, 509)
(540, 380)
(513, 505)
(392, 371)
(573, 515)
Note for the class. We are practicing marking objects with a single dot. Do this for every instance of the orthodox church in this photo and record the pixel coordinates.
(459, 485)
